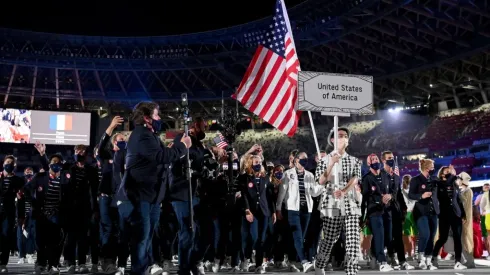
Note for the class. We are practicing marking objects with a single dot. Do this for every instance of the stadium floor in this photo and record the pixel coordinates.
(446, 267)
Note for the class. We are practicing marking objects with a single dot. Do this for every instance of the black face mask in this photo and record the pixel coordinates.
(200, 135)
(79, 158)
(55, 167)
(9, 168)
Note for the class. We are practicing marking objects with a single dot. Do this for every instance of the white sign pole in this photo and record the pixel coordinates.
(314, 135)
(336, 149)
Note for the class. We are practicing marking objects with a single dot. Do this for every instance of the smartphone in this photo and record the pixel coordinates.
(225, 166)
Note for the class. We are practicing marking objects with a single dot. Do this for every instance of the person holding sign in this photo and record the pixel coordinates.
(339, 206)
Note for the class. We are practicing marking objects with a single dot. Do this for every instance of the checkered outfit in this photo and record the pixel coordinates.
(342, 213)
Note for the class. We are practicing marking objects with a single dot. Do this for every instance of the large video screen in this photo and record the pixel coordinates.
(61, 128)
(15, 126)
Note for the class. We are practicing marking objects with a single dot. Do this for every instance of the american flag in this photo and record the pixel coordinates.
(220, 142)
(269, 86)
(396, 171)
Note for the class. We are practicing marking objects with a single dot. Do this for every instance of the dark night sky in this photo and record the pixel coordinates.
(134, 17)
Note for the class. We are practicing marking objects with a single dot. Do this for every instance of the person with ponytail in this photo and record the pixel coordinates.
(423, 190)
(451, 216)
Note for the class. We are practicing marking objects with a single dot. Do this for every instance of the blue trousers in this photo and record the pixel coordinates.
(6, 236)
(298, 222)
(258, 231)
(190, 250)
(26, 245)
(381, 227)
(427, 227)
(135, 222)
(108, 229)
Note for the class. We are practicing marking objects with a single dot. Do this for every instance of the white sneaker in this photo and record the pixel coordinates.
(30, 259)
(200, 269)
(21, 261)
(208, 265)
(54, 271)
(3, 269)
(235, 269)
(459, 266)
(329, 267)
(407, 266)
(261, 269)
(423, 263)
(307, 267)
(430, 266)
(120, 271)
(83, 269)
(245, 265)
(215, 266)
(384, 267)
(154, 270)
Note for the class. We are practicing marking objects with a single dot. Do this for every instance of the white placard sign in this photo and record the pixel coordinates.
(335, 93)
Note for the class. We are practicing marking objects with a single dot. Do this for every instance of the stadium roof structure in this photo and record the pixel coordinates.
(414, 48)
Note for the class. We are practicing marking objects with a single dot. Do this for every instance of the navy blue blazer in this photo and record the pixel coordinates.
(372, 195)
(179, 186)
(36, 190)
(146, 156)
(455, 203)
(419, 185)
(7, 197)
(257, 197)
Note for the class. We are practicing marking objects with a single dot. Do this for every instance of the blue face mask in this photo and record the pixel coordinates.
(156, 125)
(303, 162)
(390, 162)
(257, 167)
(278, 175)
(55, 167)
(121, 145)
(9, 168)
(375, 166)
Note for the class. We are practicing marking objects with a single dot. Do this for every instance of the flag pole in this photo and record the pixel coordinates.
(314, 135)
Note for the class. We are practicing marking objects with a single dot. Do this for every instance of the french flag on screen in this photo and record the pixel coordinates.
(60, 122)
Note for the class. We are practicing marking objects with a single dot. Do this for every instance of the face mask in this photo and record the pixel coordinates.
(303, 162)
(79, 158)
(8, 168)
(390, 162)
(200, 135)
(55, 167)
(98, 158)
(278, 175)
(431, 172)
(121, 145)
(257, 168)
(156, 125)
(28, 176)
(375, 166)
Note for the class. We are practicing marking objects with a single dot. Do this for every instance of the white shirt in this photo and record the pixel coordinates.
(410, 203)
(289, 190)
